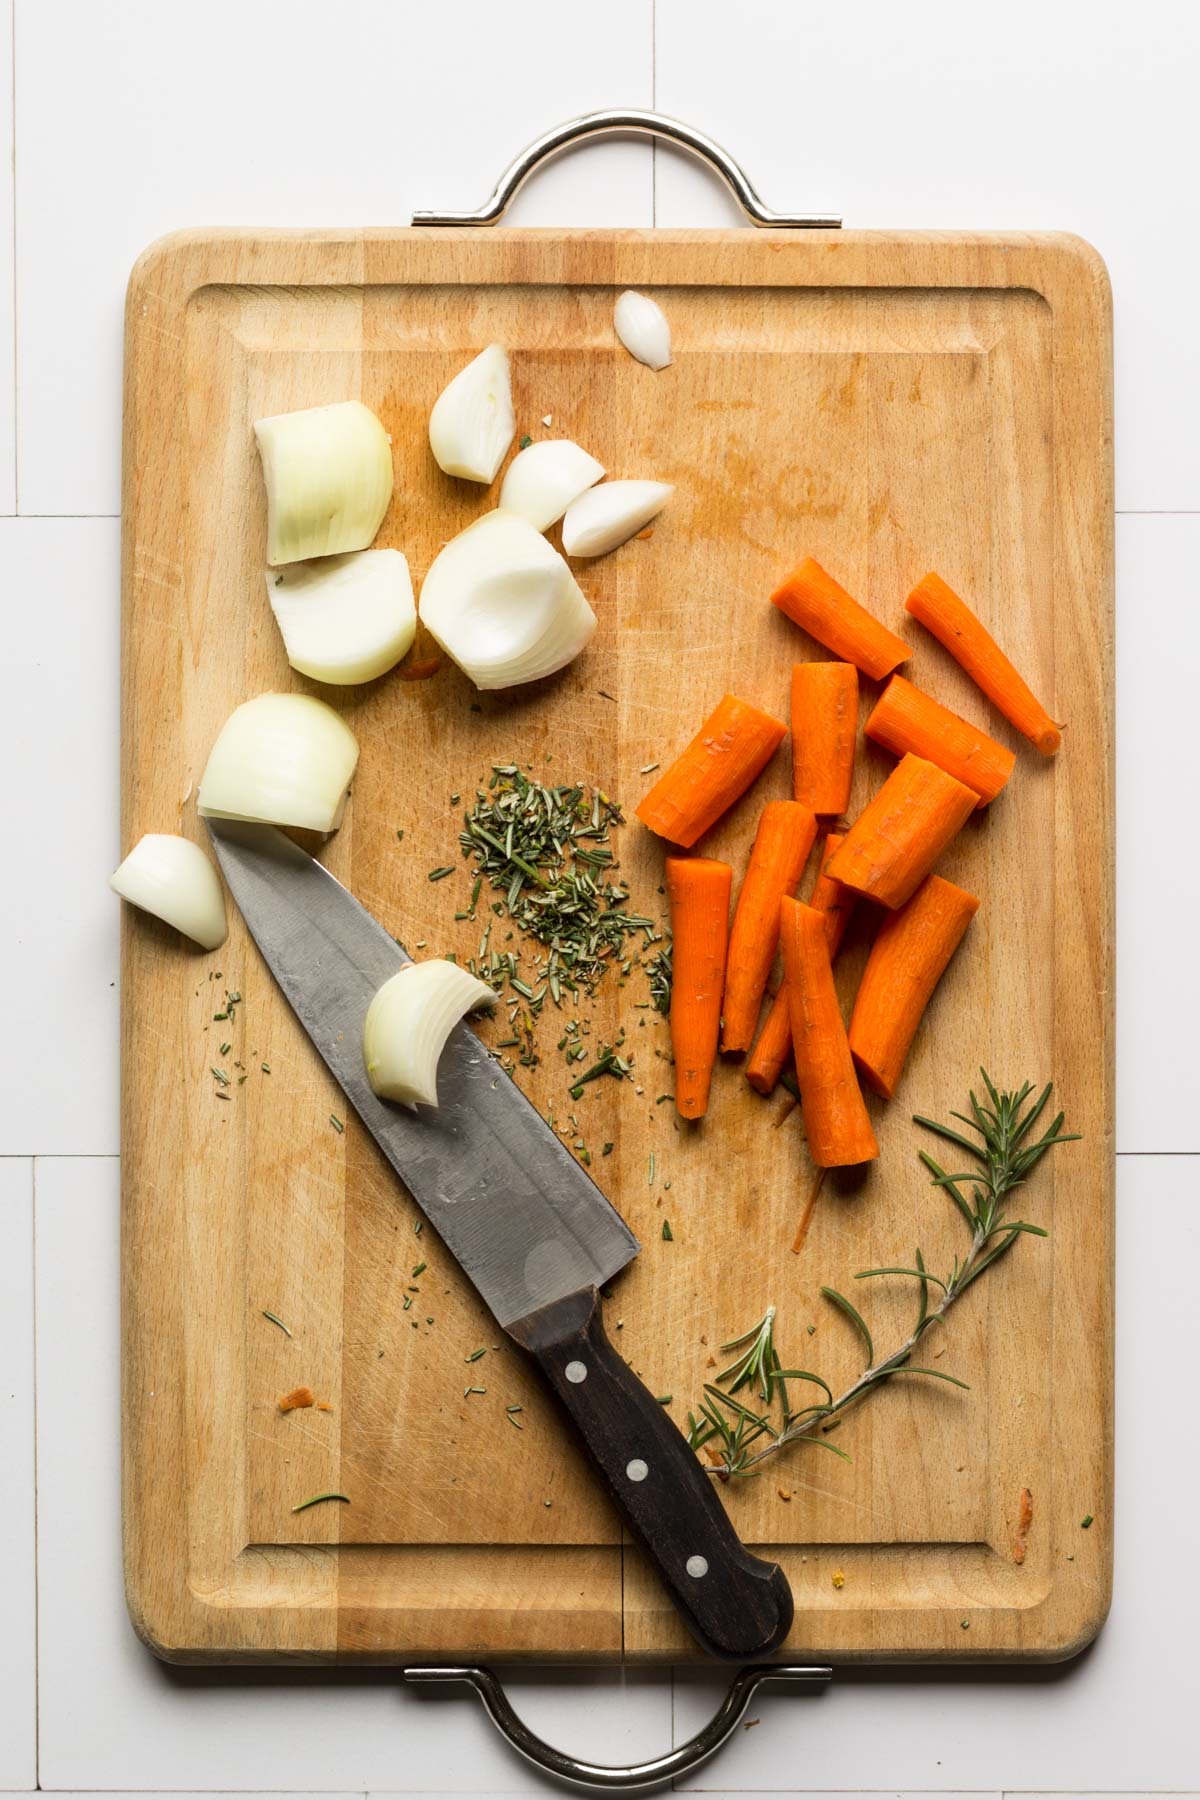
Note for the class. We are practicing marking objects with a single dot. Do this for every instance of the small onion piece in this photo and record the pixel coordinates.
(472, 422)
(502, 602)
(172, 878)
(642, 327)
(541, 482)
(407, 1025)
(281, 759)
(328, 474)
(606, 516)
(345, 619)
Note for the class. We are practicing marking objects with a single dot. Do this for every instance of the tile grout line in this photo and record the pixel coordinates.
(13, 170)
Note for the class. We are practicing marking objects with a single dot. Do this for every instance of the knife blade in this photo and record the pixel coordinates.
(525, 1221)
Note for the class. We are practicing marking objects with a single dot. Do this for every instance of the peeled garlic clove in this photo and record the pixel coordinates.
(328, 473)
(282, 759)
(172, 878)
(472, 422)
(502, 602)
(642, 327)
(407, 1025)
(606, 516)
(541, 482)
(345, 619)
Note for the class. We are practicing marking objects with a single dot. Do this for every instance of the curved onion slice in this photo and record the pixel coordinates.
(407, 1025)
(541, 482)
(502, 602)
(642, 327)
(606, 516)
(172, 878)
(282, 759)
(345, 618)
(328, 472)
(472, 422)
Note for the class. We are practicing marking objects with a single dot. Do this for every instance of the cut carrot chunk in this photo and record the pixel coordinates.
(812, 599)
(774, 1045)
(907, 960)
(731, 749)
(895, 841)
(781, 845)
(831, 898)
(835, 1117)
(905, 719)
(973, 647)
(698, 890)
(824, 728)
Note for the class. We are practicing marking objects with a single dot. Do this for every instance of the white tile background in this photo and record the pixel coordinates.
(126, 121)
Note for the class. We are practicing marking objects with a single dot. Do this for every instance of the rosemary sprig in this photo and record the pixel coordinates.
(1003, 1159)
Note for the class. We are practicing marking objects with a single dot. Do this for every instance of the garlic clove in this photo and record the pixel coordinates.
(502, 602)
(541, 482)
(280, 759)
(345, 619)
(172, 878)
(606, 516)
(642, 327)
(407, 1025)
(328, 475)
(472, 422)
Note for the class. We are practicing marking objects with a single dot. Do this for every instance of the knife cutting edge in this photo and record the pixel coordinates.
(526, 1223)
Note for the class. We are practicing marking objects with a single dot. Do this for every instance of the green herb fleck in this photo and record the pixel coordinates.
(1086, 1523)
(525, 441)
(225, 1049)
(664, 1399)
(475, 1355)
(276, 1321)
(668, 1234)
(336, 1123)
(316, 1499)
(419, 1270)
(441, 874)
(266, 1068)
(221, 1076)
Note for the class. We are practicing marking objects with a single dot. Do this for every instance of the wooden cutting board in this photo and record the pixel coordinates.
(887, 403)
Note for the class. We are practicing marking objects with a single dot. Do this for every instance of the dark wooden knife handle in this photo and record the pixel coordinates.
(737, 1606)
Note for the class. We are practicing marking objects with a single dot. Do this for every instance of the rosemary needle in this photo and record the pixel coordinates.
(276, 1321)
(316, 1499)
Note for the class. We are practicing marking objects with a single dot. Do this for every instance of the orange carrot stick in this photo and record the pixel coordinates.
(812, 599)
(955, 626)
(907, 960)
(824, 726)
(831, 898)
(731, 749)
(781, 845)
(698, 891)
(774, 1046)
(835, 1118)
(895, 841)
(906, 719)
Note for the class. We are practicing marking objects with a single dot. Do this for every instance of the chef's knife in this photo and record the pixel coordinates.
(526, 1223)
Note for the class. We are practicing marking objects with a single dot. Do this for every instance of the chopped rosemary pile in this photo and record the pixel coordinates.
(547, 851)
(1003, 1158)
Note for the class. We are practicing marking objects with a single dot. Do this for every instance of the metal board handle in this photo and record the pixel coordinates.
(631, 122)
(635, 1777)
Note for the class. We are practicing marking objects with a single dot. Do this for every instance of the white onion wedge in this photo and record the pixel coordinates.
(541, 482)
(345, 619)
(606, 516)
(328, 474)
(472, 422)
(642, 327)
(282, 759)
(502, 602)
(172, 878)
(407, 1025)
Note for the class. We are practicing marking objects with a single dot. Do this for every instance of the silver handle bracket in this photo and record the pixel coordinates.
(629, 122)
(634, 1777)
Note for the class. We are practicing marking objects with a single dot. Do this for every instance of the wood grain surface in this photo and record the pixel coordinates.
(887, 403)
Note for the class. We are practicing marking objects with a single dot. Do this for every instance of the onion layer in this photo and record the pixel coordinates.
(172, 878)
(541, 482)
(328, 474)
(282, 759)
(472, 422)
(407, 1025)
(606, 516)
(502, 602)
(345, 619)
